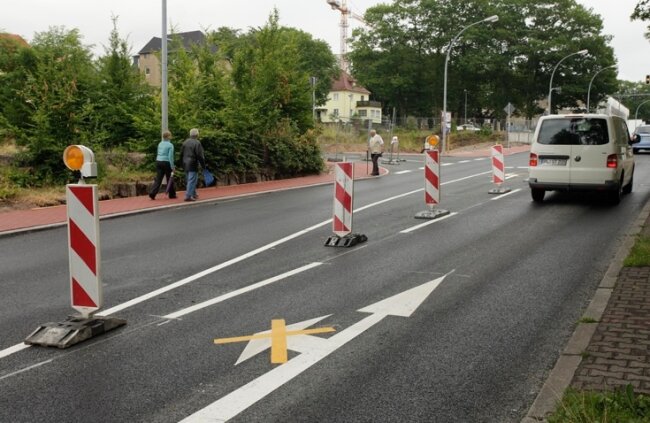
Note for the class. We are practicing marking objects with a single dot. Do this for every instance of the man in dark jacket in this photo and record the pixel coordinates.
(192, 154)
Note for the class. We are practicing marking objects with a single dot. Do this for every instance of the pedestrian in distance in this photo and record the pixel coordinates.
(164, 165)
(376, 147)
(192, 154)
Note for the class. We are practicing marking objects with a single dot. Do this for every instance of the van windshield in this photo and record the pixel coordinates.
(574, 131)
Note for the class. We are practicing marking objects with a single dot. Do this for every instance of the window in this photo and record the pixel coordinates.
(335, 112)
(575, 131)
(335, 97)
(363, 113)
(363, 98)
(147, 71)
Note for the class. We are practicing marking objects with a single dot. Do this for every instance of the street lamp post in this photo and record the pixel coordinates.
(591, 82)
(636, 114)
(493, 18)
(465, 107)
(312, 82)
(163, 82)
(550, 85)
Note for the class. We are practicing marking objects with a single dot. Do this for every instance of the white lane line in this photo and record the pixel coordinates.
(427, 223)
(466, 177)
(26, 369)
(401, 172)
(464, 161)
(522, 167)
(444, 164)
(480, 159)
(506, 194)
(240, 291)
(511, 175)
(8, 351)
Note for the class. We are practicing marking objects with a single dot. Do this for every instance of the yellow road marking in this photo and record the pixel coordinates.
(278, 335)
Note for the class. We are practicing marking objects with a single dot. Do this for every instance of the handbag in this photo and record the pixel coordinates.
(208, 178)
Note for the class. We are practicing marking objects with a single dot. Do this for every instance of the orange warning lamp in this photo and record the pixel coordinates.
(81, 158)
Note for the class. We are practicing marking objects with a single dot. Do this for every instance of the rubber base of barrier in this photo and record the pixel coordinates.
(499, 190)
(349, 240)
(431, 214)
(72, 331)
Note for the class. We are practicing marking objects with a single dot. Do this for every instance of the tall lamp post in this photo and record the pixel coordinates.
(493, 18)
(591, 82)
(636, 114)
(163, 82)
(550, 85)
(312, 82)
(465, 122)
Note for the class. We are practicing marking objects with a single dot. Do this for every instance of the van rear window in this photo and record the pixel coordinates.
(574, 131)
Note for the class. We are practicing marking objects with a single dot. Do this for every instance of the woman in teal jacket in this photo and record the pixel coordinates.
(164, 165)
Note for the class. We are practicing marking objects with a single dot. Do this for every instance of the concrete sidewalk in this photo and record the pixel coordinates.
(610, 346)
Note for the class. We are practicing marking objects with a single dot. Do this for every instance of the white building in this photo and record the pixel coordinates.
(348, 101)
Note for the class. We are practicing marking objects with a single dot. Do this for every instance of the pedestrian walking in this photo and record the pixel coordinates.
(376, 147)
(192, 154)
(164, 165)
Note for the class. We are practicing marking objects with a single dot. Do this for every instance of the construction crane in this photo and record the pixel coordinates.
(345, 12)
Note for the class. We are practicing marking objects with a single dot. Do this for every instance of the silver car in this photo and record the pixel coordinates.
(641, 138)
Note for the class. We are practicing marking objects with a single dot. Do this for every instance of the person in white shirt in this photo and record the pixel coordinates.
(376, 147)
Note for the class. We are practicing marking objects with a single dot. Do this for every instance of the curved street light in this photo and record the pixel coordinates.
(636, 114)
(591, 82)
(443, 125)
(550, 85)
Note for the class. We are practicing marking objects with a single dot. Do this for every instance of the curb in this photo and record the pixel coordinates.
(115, 215)
(562, 374)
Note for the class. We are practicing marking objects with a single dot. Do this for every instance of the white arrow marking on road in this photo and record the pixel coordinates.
(402, 304)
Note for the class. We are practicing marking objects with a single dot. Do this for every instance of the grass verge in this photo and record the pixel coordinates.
(618, 406)
(640, 254)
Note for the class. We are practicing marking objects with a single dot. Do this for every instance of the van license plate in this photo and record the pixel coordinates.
(553, 162)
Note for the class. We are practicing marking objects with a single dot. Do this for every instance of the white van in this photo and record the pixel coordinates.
(581, 152)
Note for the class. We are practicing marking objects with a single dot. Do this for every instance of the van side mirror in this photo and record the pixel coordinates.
(635, 139)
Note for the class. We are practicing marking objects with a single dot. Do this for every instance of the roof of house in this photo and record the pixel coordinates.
(17, 38)
(187, 38)
(346, 82)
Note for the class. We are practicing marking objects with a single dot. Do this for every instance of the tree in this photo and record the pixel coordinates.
(57, 88)
(122, 99)
(401, 57)
(269, 106)
(642, 12)
(17, 60)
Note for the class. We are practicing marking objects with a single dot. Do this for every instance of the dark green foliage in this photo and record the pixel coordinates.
(401, 56)
(249, 95)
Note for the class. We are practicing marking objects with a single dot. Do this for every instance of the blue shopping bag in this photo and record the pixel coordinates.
(208, 178)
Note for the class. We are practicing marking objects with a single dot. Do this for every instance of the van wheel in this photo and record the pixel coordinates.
(614, 196)
(628, 188)
(537, 194)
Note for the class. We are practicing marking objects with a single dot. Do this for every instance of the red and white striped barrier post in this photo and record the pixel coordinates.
(431, 186)
(83, 248)
(498, 170)
(84, 260)
(343, 208)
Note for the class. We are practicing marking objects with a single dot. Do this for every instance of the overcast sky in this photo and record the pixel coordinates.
(139, 20)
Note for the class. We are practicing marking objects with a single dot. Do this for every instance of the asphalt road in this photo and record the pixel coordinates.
(502, 282)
